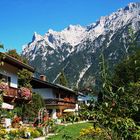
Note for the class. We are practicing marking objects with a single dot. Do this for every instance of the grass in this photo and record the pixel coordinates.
(70, 132)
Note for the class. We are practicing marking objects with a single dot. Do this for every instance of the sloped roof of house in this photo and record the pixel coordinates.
(37, 83)
(17, 63)
(64, 88)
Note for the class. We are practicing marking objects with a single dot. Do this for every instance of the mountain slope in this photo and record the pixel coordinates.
(76, 49)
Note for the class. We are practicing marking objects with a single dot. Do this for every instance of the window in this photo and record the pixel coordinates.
(9, 80)
(5, 79)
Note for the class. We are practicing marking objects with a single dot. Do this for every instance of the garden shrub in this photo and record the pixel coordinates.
(3, 132)
(136, 135)
(91, 133)
(20, 133)
(35, 133)
(70, 118)
(40, 130)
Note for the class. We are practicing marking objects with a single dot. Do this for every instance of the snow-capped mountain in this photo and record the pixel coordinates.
(76, 49)
(71, 35)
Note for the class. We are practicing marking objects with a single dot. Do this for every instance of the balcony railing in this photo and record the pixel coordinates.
(13, 92)
(60, 102)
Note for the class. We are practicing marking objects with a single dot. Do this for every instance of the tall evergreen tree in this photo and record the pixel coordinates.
(1, 46)
(31, 110)
(14, 54)
(1, 55)
(1, 63)
(62, 79)
(17, 56)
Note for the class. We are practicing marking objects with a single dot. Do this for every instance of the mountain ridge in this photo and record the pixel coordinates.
(57, 50)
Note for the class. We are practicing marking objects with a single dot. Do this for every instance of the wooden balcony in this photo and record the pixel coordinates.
(13, 94)
(60, 102)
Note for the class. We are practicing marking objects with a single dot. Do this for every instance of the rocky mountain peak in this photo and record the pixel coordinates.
(36, 37)
(76, 49)
(133, 6)
(74, 28)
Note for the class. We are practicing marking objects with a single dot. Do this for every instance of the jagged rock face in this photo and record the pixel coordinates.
(76, 49)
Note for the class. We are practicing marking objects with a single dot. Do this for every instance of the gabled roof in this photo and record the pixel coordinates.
(16, 63)
(37, 83)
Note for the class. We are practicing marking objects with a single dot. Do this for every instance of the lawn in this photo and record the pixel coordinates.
(70, 132)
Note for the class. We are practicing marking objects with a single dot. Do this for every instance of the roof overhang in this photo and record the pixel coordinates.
(37, 83)
(16, 63)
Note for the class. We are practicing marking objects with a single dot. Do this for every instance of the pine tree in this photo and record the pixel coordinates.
(1, 46)
(14, 54)
(62, 79)
(1, 55)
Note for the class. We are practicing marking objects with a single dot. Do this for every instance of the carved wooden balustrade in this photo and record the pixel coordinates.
(60, 102)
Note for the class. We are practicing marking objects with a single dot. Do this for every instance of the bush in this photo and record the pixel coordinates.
(20, 133)
(3, 132)
(34, 133)
(136, 135)
(71, 118)
(91, 132)
(14, 134)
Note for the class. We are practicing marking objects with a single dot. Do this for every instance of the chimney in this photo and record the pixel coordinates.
(43, 77)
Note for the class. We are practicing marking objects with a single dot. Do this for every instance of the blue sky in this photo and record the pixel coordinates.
(19, 19)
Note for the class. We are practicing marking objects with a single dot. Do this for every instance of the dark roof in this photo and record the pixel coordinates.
(37, 83)
(13, 61)
(65, 88)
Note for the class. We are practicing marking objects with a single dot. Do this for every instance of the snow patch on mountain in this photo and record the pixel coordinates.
(72, 35)
(76, 34)
(56, 77)
(82, 74)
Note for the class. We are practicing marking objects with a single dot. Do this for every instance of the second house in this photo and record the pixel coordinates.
(57, 97)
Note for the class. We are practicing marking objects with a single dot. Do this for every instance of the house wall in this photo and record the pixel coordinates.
(10, 71)
(45, 92)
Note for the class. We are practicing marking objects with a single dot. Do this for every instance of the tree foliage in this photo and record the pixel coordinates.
(24, 78)
(31, 110)
(1, 63)
(1, 55)
(62, 79)
(118, 108)
(17, 56)
(128, 70)
(1, 46)
(119, 105)
(14, 54)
